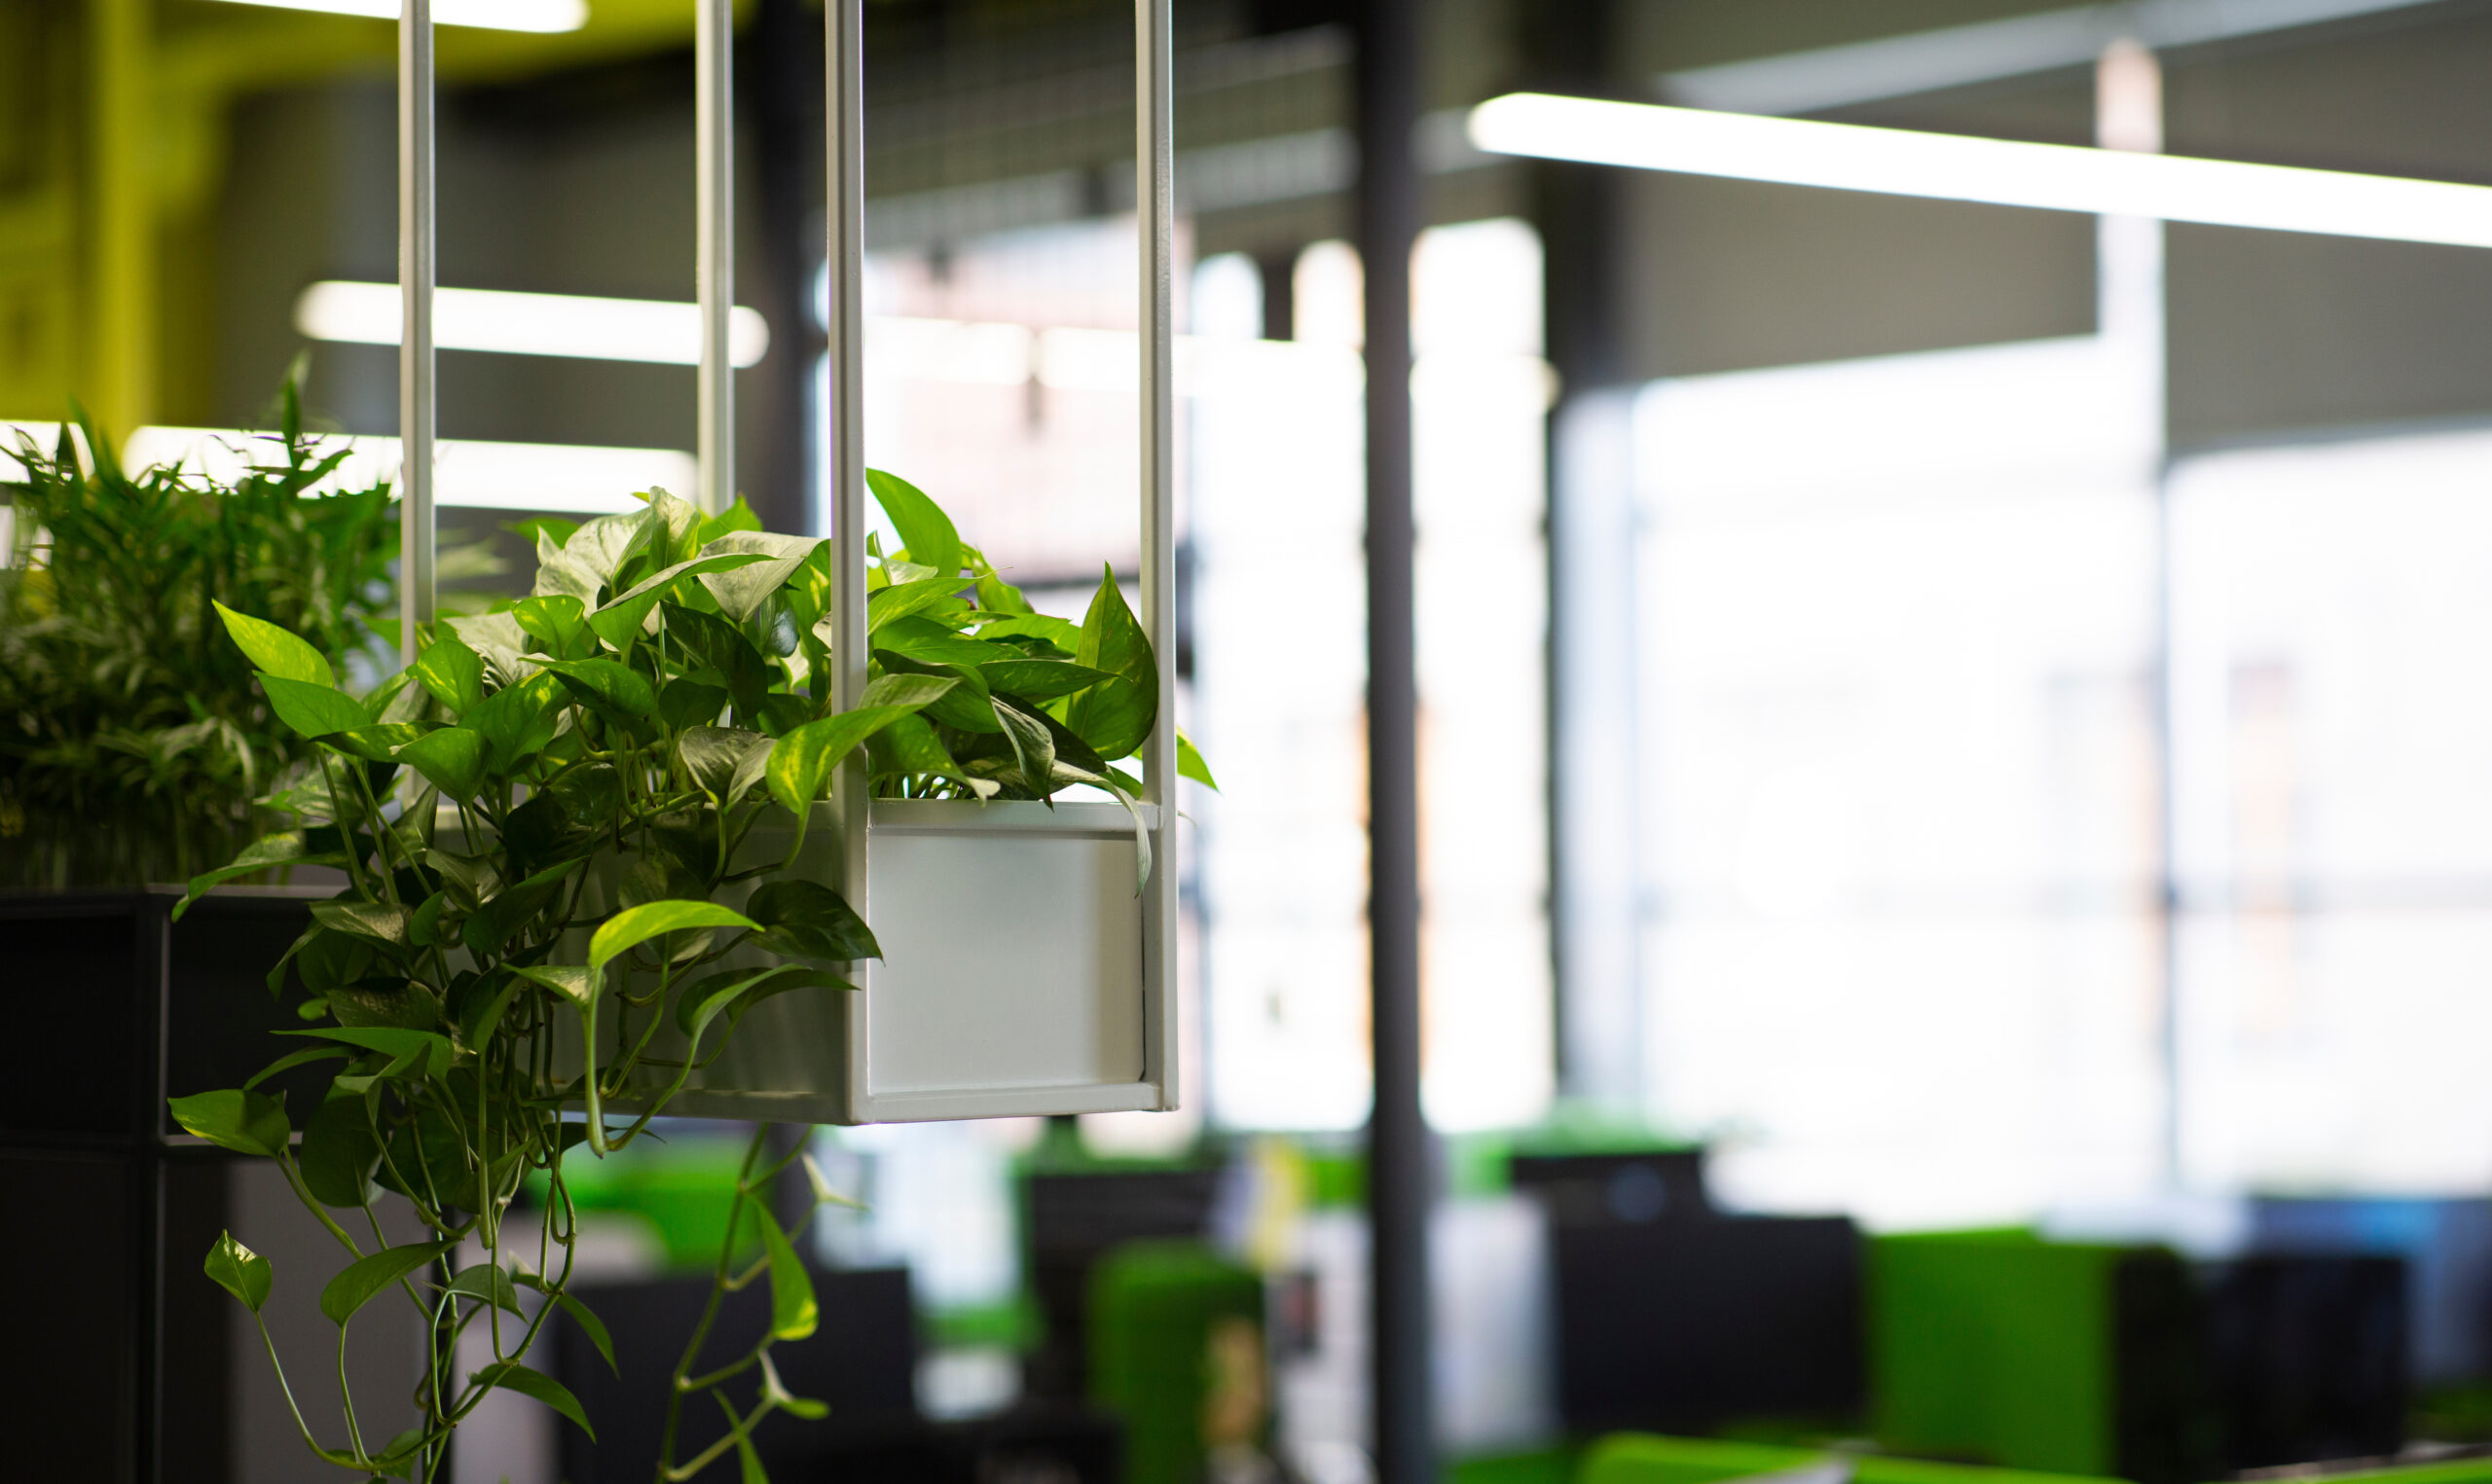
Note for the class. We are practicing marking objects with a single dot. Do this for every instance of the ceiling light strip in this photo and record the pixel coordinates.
(2052, 177)
(542, 16)
(647, 330)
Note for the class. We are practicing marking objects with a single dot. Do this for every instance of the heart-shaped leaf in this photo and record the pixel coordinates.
(1115, 715)
(294, 1059)
(580, 1312)
(518, 720)
(619, 622)
(619, 693)
(450, 759)
(510, 1375)
(925, 594)
(807, 919)
(1031, 744)
(1060, 634)
(281, 847)
(497, 641)
(572, 981)
(923, 528)
(793, 1313)
(686, 703)
(453, 674)
(487, 1283)
(381, 922)
(339, 1154)
(366, 1278)
(737, 991)
(245, 1122)
(426, 1052)
(274, 651)
(492, 924)
(239, 1271)
(1191, 764)
(587, 796)
(635, 926)
(558, 622)
(385, 1002)
(377, 743)
(803, 760)
(739, 592)
(723, 648)
(735, 518)
(928, 642)
(1038, 680)
(558, 574)
(716, 757)
(311, 708)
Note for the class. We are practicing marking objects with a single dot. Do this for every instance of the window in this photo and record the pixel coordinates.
(1900, 812)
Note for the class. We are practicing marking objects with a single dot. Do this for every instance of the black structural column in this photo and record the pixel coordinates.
(1567, 49)
(1398, 1162)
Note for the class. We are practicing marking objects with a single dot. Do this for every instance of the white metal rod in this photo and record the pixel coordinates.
(846, 255)
(1152, 113)
(414, 340)
(844, 100)
(713, 142)
(1154, 129)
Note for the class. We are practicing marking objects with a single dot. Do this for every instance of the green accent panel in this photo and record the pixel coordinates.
(1476, 1165)
(1545, 1466)
(1635, 1458)
(1152, 1308)
(1997, 1345)
(1638, 1457)
(1878, 1469)
(1575, 1129)
(1013, 1325)
(1336, 1179)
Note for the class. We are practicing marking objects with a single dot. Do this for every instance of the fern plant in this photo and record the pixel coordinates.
(132, 742)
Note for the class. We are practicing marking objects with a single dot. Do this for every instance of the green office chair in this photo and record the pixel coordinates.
(1176, 1349)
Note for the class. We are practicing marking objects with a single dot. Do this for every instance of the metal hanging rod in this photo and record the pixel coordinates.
(713, 144)
(415, 269)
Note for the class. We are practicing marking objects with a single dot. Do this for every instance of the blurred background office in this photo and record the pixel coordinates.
(1955, 739)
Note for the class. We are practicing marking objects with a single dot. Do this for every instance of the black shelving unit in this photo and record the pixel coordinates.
(111, 1007)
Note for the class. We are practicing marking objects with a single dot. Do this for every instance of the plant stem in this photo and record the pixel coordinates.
(679, 1385)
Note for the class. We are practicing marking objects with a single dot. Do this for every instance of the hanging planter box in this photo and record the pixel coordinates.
(1019, 975)
(1022, 971)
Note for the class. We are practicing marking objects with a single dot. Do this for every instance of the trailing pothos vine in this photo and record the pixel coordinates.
(561, 829)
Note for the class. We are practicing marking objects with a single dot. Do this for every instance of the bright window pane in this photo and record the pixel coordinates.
(2330, 623)
(1900, 803)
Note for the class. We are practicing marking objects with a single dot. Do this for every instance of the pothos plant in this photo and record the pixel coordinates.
(543, 823)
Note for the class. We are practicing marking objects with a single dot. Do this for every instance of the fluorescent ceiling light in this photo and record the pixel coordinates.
(2054, 178)
(497, 15)
(530, 324)
(1953, 56)
(564, 478)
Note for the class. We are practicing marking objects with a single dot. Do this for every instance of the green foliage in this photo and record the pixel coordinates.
(240, 1272)
(558, 901)
(133, 740)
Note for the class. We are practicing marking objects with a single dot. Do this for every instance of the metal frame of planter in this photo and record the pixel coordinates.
(1021, 973)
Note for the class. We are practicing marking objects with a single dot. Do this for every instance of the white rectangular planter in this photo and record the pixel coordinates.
(1020, 974)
